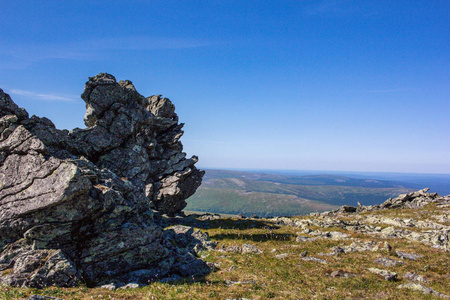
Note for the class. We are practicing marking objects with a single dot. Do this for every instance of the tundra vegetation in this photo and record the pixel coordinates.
(394, 251)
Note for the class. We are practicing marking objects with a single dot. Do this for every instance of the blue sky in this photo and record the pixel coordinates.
(305, 85)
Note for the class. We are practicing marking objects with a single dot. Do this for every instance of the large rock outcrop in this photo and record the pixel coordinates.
(81, 205)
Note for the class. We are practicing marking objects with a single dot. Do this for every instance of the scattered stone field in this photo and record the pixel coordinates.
(399, 251)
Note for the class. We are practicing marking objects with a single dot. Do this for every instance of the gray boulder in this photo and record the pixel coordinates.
(80, 205)
(388, 262)
(411, 200)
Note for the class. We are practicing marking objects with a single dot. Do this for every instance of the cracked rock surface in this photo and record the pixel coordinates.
(80, 205)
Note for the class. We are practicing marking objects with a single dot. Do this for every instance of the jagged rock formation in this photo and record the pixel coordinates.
(79, 205)
(413, 200)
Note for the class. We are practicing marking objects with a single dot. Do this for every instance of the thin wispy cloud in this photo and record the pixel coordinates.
(43, 96)
(21, 55)
(9, 62)
(204, 141)
(326, 7)
(144, 43)
(387, 90)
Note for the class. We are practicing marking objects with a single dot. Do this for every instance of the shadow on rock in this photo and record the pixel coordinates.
(80, 206)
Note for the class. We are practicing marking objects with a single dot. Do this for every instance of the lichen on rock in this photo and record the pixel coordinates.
(80, 205)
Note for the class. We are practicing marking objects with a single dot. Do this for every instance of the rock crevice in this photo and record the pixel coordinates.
(80, 205)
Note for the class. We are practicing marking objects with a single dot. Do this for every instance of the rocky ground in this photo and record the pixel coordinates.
(397, 250)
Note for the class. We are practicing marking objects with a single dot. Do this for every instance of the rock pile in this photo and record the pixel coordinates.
(79, 206)
(413, 200)
(426, 232)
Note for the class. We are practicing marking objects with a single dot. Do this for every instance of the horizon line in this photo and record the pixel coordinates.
(322, 171)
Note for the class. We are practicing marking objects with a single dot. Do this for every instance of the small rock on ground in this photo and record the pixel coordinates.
(247, 248)
(339, 273)
(130, 286)
(411, 256)
(390, 276)
(414, 277)
(421, 288)
(305, 239)
(109, 286)
(231, 282)
(314, 259)
(388, 262)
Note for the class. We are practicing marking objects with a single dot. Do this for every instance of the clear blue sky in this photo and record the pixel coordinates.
(309, 85)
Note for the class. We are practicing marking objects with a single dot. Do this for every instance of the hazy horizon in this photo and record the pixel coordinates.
(307, 171)
(437, 183)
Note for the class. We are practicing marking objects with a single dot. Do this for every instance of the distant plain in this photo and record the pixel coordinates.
(289, 193)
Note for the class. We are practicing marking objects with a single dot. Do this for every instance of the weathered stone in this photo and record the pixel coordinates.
(411, 200)
(388, 262)
(79, 205)
(188, 237)
(314, 259)
(248, 248)
(232, 282)
(439, 239)
(305, 239)
(410, 256)
(423, 289)
(209, 217)
(415, 200)
(40, 297)
(230, 249)
(130, 286)
(390, 276)
(110, 286)
(414, 277)
(336, 250)
(360, 246)
(335, 274)
(339, 273)
(336, 235)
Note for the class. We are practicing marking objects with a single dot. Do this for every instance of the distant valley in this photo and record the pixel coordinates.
(278, 194)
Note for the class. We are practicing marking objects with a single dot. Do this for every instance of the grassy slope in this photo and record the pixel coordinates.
(263, 204)
(320, 179)
(289, 278)
(250, 194)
